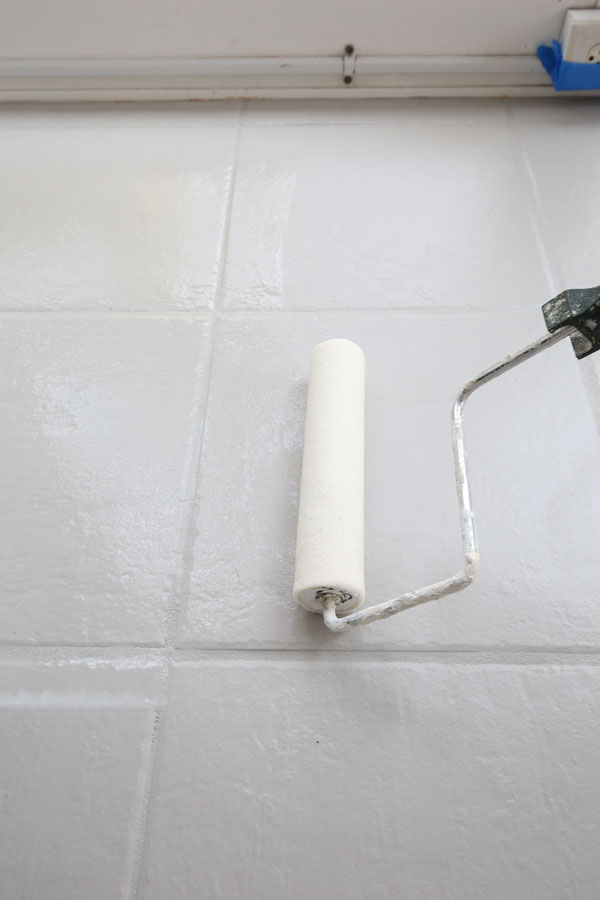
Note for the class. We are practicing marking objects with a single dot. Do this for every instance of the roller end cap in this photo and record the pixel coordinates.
(312, 598)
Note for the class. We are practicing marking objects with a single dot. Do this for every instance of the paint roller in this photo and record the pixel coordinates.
(330, 541)
(329, 576)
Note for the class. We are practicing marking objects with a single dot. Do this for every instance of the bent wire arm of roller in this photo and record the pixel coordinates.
(465, 576)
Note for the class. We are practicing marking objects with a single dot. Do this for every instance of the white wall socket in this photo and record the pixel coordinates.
(594, 54)
(580, 36)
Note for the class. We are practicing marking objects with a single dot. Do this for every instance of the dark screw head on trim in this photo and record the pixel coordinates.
(347, 79)
(349, 49)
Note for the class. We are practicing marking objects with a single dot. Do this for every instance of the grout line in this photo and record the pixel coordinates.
(250, 313)
(146, 784)
(189, 484)
(72, 646)
(349, 122)
(195, 472)
(398, 312)
(370, 122)
(220, 293)
(181, 586)
(66, 312)
(383, 657)
(123, 658)
(533, 199)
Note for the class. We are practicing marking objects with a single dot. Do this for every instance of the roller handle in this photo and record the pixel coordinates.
(579, 309)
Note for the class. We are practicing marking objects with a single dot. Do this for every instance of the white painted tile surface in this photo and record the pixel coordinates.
(113, 208)
(417, 214)
(73, 743)
(363, 779)
(99, 425)
(431, 233)
(535, 456)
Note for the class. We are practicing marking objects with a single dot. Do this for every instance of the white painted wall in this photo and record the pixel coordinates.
(171, 726)
(233, 28)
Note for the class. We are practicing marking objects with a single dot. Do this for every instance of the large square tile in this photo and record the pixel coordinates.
(74, 741)
(377, 780)
(100, 420)
(422, 213)
(535, 466)
(113, 207)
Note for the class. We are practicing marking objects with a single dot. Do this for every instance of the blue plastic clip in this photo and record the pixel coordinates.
(568, 76)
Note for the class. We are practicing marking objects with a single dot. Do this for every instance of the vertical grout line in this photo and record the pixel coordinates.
(533, 201)
(144, 791)
(182, 590)
(181, 585)
(223, 261)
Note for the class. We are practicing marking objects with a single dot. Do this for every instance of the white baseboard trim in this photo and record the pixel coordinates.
(271, 77)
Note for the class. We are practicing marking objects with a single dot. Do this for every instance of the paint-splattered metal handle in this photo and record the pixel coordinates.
(574, 314)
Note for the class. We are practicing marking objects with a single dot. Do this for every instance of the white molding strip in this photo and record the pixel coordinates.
(83, 70)
(446, 65)
(270, 77)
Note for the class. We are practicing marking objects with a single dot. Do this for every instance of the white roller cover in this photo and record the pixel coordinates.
(330, 543)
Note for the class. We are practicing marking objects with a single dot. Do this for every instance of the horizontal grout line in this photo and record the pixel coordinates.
(111, 313)
(257, 106)
(12, 646)
(399, 123)
(398, 658)
(258, 118)
(83, 699)
(385, 653)
(423, 311)
(126, 657)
